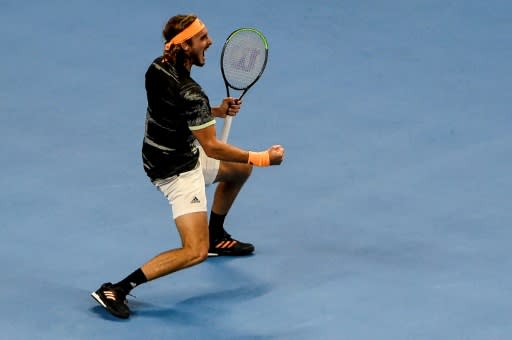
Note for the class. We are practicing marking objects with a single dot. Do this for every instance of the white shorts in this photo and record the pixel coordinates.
(209, 165)
(186, 192)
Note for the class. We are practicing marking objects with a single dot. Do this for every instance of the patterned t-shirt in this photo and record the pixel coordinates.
(176, 106)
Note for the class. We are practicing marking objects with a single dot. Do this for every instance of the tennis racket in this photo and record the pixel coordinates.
(242, 62)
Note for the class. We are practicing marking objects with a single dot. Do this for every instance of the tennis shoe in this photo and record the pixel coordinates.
(228, 246)
(113, 299)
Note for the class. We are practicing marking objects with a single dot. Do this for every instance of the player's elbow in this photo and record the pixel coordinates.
(212, 149)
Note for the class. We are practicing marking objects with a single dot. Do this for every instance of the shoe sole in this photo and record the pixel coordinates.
(229, 254)
(96, 297)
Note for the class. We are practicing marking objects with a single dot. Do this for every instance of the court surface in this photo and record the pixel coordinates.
(390, 218)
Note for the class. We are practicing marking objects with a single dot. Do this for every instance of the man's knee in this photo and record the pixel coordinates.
(197, 255)
(245, 171)
(234, 172)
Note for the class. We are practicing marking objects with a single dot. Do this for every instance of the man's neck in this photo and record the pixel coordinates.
(188, 65)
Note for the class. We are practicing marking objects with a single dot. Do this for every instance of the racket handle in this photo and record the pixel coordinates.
(226, 128)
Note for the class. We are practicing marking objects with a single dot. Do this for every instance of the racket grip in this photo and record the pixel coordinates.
(226, 128)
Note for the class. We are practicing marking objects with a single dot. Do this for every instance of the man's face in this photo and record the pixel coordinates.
(199, 43)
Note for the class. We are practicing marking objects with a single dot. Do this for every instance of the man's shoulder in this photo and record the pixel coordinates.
(161, 68)
(158, 66)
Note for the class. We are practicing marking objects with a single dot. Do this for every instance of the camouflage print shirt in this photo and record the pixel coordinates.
(176, 106)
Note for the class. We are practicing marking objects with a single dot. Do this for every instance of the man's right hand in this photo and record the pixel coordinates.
(276, 153)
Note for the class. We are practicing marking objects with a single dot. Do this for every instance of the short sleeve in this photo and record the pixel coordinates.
(196, 107)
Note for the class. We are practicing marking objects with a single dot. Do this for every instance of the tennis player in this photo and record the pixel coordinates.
(181, 155)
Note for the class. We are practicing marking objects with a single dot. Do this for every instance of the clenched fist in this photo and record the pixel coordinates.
(276, 153)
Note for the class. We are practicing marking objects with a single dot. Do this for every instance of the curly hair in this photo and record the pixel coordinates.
(175, 25)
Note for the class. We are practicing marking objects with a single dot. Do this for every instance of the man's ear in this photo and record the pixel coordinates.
(185, 46)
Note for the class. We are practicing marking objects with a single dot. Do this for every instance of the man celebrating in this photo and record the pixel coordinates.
(182, 155)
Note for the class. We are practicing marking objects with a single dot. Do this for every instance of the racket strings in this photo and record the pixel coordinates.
(244, 59)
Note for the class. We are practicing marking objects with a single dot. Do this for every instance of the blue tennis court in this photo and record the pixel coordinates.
(389, 219)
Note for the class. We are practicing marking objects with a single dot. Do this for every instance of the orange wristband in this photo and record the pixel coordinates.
(259, 158)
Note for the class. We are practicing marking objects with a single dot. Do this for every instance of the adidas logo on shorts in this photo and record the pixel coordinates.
(195, 200)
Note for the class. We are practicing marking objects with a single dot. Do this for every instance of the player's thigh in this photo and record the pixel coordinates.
(193, 230)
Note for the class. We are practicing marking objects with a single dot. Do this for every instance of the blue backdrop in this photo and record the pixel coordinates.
(390, 218)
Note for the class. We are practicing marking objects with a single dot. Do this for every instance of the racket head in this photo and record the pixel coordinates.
(244, 58)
